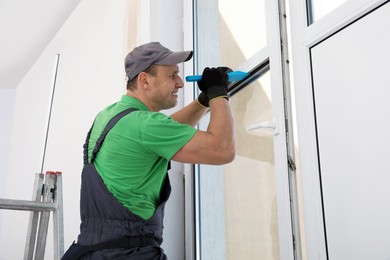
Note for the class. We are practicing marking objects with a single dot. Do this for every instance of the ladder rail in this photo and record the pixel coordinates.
(58, 221)
(34, 217)
(47, 197)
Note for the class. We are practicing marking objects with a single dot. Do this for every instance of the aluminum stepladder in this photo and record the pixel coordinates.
(47, 197)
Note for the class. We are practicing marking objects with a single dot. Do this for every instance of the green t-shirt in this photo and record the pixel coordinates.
(134, 156)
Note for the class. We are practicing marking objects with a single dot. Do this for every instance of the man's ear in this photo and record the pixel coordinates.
(143, 80)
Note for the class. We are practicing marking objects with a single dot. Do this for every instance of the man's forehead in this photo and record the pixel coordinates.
(168, 68)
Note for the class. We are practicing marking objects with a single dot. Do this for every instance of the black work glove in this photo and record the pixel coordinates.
(225, 69)
(203, 99)
(214, 82)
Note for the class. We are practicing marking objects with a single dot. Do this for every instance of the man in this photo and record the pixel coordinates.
(124, 182)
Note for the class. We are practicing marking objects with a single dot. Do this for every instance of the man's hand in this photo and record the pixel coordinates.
(214, 82)
(203, 99)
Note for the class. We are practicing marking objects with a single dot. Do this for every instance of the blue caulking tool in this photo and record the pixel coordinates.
(233, 76)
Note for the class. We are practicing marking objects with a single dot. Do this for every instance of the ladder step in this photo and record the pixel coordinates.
(27, 205)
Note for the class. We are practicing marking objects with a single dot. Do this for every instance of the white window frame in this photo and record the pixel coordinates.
(303, 38)
(285, 179)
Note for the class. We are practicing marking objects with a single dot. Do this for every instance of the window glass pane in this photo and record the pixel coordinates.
(250, 196)
(238, 39)
(238, 201)
(230, 31)
(320, 8)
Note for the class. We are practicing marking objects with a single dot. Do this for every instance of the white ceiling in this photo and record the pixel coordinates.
(26, 28)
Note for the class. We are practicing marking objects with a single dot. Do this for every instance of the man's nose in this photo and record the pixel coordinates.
(179, 82)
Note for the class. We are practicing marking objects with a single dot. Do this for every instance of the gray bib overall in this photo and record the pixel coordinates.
(108, 230)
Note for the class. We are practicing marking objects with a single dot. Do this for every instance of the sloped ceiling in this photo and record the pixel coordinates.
(26, 28)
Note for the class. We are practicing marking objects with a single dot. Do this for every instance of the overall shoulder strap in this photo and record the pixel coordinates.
(100, 140)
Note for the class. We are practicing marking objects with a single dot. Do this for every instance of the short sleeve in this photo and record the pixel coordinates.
(164, 136)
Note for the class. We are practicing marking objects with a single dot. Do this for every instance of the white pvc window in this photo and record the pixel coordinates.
(319, 8)
(339, 83)
(243, 208)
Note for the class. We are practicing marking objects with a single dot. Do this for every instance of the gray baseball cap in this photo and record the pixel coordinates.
(143, 56)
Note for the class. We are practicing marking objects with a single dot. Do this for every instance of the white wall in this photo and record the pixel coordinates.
(92, 45)
(7, 97)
